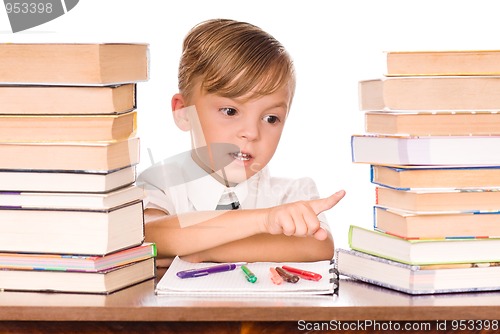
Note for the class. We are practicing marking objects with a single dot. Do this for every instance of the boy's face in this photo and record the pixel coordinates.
(253, 127)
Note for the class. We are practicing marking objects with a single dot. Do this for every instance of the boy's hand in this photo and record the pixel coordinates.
(300, 218)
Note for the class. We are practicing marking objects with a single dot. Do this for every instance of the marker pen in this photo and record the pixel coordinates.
(309, 275)
(249, 274)
(208, 270)
(287, 276)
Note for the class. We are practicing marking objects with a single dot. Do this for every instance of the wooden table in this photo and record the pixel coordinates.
(138, 310)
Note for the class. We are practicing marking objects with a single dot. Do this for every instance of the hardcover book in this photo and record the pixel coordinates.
(67, 100)
(449, 62)
(66, 181)
(71, 201)
(478, 123)
(73, 64)
(424, 251)
(99, 282)
(86, 232)
(436, 94)
(436, 150)
(76, 263)
(50, 128)
(437, 225)
(436, 200)
(70, 156)
(417, 280)
(426, 177)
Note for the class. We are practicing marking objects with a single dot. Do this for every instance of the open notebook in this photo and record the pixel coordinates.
(234, 282)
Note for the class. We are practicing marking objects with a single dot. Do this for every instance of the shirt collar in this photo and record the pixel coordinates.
(205, 192)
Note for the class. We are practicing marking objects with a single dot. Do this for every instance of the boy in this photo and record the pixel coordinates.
(236, 85)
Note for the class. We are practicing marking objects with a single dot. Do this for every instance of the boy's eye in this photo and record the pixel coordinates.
(228, 111)
(271, 119)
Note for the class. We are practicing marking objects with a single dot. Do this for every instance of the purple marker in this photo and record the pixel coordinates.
(209, 270)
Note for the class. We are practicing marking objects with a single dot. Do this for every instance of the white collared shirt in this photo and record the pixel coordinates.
(178, 185)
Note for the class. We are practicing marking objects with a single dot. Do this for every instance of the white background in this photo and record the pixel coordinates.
(334, 44)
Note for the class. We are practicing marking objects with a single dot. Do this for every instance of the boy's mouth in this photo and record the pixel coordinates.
(241, 156)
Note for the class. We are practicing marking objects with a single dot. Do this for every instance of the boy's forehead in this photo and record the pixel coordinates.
(281, 97)
(285, 92)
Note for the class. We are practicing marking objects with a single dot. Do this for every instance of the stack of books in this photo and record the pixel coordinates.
(71, 216)
(433, 144)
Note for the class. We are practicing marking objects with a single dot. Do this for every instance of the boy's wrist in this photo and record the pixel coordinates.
(263, 220)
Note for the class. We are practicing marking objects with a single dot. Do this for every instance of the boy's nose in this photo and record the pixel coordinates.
(249, 131)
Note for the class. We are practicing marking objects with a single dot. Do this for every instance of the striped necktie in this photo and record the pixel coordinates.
(228, 201)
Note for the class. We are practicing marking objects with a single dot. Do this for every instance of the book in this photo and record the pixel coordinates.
(417, 280)
(125, 296)
(448, 199)
(77, 263)
(433, 124)
(73, 63)
(67, 181)
(426, 150)
(83, 232)
(100, 282)
(424, 251)
(73, 156)
(64, 100)
(234, 283)
(437, 225)
(73, 201)
(48, 128)
(452, 62)
(430, 94)
(415, 177)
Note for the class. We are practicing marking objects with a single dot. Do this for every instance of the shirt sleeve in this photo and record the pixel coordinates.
(155, 197)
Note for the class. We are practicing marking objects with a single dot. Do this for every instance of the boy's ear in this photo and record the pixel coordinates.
(179, 110)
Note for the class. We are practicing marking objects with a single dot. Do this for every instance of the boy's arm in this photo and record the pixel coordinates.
(266, 247)
(200, 234)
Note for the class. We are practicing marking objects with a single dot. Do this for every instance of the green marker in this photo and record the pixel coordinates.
(248, 274)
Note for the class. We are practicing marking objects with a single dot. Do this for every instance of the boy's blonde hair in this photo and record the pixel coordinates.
(232, 59)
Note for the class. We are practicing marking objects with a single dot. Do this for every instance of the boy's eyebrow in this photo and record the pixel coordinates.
(238, 100)
(280, 104)
(283, 105)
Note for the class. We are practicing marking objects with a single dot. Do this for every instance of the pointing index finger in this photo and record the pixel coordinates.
(323, 204)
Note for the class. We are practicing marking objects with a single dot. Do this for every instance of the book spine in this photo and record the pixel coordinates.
(352, 149)
(374, 217)
(135, 97)
(349, 236)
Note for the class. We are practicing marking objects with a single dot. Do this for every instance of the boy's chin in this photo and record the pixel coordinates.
(234, 174)
(230, 178)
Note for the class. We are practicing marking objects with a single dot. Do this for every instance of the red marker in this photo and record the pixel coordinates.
(309, 275)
